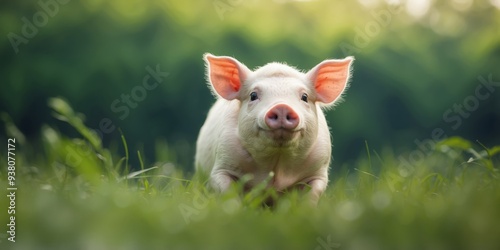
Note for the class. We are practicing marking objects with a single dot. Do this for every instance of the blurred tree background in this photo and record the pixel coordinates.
(420, 65)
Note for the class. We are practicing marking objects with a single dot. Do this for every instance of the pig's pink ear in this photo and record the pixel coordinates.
(330, 79)
(226, 75)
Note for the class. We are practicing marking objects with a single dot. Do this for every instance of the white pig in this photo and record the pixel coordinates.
(269, 121)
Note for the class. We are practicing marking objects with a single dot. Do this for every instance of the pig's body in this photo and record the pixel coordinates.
(290, 165)
(279, 129)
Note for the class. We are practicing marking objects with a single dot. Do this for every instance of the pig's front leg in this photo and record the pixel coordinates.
(318, 186)
(220, 180)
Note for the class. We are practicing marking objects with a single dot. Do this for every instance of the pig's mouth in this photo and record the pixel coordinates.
(281, 135)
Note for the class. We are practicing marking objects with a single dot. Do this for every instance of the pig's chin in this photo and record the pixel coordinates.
(281, 137)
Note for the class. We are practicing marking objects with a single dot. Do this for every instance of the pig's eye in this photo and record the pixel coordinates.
(253, 96)
(304, 97)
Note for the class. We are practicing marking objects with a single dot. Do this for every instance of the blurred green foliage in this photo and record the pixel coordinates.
(413, 64)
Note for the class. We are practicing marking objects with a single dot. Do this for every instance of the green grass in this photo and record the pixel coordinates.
(76, 194)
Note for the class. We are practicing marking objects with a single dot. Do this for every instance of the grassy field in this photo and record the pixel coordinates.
(75, 194)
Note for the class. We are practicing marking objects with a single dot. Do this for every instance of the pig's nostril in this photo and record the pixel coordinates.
(291, 116)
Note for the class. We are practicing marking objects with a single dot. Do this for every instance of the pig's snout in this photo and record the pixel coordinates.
(282, 116)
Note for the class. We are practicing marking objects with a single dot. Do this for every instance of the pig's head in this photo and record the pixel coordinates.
(279, 105)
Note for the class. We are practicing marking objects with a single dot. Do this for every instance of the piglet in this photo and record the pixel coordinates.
(269, 122)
